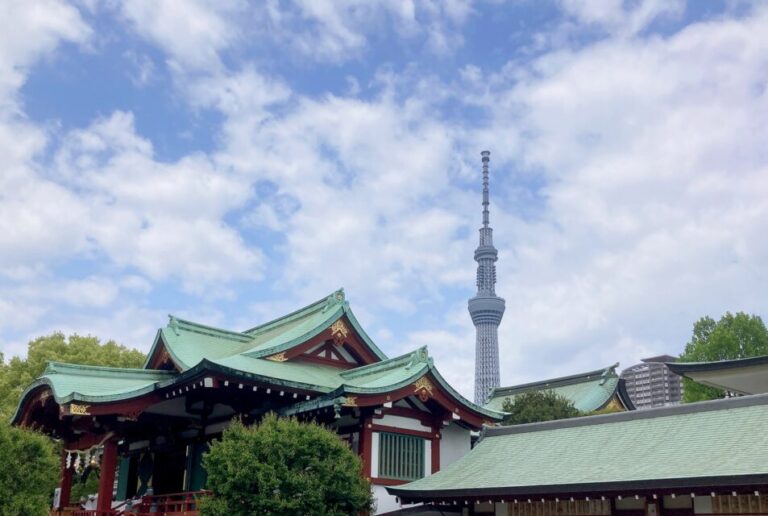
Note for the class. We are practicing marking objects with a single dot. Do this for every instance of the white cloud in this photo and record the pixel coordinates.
(340, 30)
(192, 32)
(648, 153)
(356, 175)
(165, 219)
(656, 190)
(618, 18)
(38, 219)
(28, 30)
(142, 68)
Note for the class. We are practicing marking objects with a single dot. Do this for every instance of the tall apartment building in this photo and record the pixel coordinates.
(651, 383)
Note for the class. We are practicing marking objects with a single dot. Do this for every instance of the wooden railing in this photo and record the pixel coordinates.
(174, 504)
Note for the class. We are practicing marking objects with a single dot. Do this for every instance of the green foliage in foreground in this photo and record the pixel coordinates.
(734, 336)
(26, 487)
(282, 466)
(535, 406)
(30, 471)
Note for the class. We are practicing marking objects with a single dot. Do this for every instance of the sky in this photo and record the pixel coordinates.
(228, 162)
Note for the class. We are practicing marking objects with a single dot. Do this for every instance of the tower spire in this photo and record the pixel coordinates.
(486, 308)
(486, 158)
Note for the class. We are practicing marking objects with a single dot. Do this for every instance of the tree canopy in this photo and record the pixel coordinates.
(30, 471)
(283, 466)
(535, 406)
(19, 372)
(26, 488)
(734, 336)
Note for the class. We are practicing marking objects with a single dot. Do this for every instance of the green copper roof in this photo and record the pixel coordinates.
(197, 348)
(588, 391)
(682, 368)
(742, 375)
(671, 445)
(92, 384)
(188, 343)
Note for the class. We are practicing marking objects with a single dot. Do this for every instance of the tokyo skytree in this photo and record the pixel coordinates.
(486, 308)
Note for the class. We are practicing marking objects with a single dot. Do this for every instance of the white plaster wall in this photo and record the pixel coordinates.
(702, 505)
(428, 457)
(374, 454)
(678, 502)
(384, 501)
(403, 422)
(455, 443)
(630, 503)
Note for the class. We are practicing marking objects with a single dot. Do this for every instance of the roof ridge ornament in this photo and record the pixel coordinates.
(420, 356)
(334, 299)
(610, 370)
(173, 324)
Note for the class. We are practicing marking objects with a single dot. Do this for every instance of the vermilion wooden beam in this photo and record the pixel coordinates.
(65, 481)
(436, 438)
(447, 401)
(366, 446)
(341, 364)
(106, 479)
(352, 343)
(403, 431)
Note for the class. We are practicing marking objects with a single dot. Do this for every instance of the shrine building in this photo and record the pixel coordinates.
(593, 391)
(149, 427)
(706, 458)
(740, 376)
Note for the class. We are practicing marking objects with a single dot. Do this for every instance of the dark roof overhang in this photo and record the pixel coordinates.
(682, 368)
(704, 485)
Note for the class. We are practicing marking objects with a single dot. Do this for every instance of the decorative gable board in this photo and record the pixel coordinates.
(161, 358)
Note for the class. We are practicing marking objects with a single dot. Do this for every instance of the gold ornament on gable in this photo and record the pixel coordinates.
(423, 388)
(278, 357)
(79, 410)
(339, 331)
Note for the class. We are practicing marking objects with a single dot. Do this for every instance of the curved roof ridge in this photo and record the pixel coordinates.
(417, 356)
(474, 406)
(631, 415)
(278, 342)
(54, 367)
(557, 382)
(681, 368)
(333, 309)
(424, 365)
(175, 323)
(336, 297)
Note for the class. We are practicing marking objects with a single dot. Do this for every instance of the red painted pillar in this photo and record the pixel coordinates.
(107, 479)
(65, 483)
(435, 449)
(366, 446)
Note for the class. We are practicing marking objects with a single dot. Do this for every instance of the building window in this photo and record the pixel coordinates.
(401, 456)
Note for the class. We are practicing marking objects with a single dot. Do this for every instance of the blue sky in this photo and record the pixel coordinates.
(230, 161)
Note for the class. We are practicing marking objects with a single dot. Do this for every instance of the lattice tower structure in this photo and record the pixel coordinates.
(486, 308)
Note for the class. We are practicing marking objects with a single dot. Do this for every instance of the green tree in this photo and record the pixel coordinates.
(30, 471)
(26, 488)
(535, 406)
(283, 466)
(734, 336)
(18, 373)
